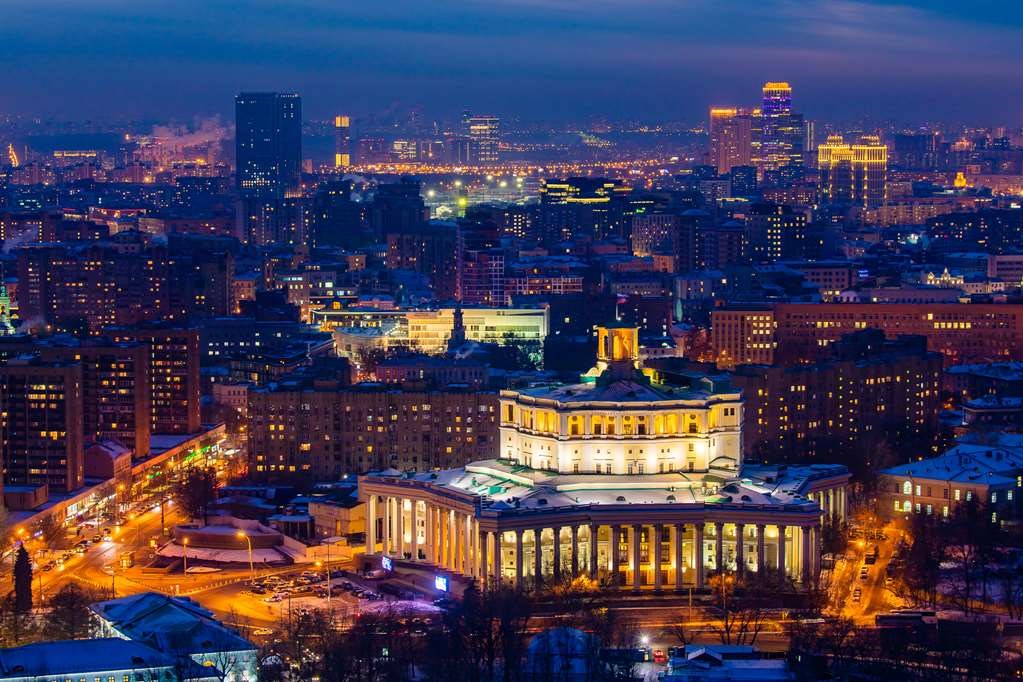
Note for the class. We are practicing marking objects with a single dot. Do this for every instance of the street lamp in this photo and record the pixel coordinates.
(252, 570)
(184, 553)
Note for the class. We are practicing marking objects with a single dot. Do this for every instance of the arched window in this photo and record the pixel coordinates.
(907, 488)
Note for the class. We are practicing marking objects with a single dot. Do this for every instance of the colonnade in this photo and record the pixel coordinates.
(832, 503)
(535, 549)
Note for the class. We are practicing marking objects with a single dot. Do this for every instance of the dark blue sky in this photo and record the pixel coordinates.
(542, 59)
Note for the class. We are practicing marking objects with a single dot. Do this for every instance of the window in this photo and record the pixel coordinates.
(994, 497)
(907, 488)
(917, 508)
(944, 511)
(929, 510)
(918, 489)
(956, 495)
(969, 495)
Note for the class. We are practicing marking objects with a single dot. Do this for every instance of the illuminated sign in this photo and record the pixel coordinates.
(441, 583)
(386, 564)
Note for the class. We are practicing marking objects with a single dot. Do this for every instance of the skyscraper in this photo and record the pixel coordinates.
(484, 137)
(731, 138)
(268, 146)
(342, 141)
(781, 137)
(853, 173)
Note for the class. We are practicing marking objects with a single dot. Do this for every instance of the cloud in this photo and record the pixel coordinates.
(659, 56)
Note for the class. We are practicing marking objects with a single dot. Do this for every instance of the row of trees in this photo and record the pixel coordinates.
(966, 562)
(838, 648)
(483, 638)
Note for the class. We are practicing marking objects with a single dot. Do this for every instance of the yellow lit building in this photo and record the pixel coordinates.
(855, 173)
(634, 483)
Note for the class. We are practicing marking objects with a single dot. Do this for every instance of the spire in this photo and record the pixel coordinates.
(457, 338)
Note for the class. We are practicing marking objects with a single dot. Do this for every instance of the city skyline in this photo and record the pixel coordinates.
(537, 60)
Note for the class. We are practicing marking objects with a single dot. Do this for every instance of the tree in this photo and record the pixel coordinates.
(70, 616)
(51, 531)
(196, 491)
(923, 560)
(22, 581)
(743, 611)
(16, 627)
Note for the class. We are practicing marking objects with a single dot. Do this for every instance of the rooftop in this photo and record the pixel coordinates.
(503, 485)
(80, 657)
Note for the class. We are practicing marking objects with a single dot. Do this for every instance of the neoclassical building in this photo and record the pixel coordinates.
(632, 482)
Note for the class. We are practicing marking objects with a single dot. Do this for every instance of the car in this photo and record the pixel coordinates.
(48, 566)
(255, 589)
(444, 603)
(262, 632)
(660, 657)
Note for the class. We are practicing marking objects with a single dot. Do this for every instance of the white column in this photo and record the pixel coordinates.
(616, 560)
(807, 544)
(698, 555)
(655, 547)
(781, 551)
(387, 527)
(557, 553)
(537, 557)
(719, 547)
(371, 524)
(414, 521)
(760, 549)
(594, 547)
(484, 544)
(518, 558)
(740, 550)
(498, 574)
(575, 549)
(637, 531)
(679, 530)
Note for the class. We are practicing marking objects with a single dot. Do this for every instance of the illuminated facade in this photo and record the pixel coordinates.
(484, 138)
(796, 332)
(342, 142)
(634, 483)
(731, 138)
(781, 131)
(855, 173)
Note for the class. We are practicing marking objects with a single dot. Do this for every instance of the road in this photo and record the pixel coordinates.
(874, 596)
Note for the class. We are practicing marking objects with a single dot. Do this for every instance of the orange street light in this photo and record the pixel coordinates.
(252, 570)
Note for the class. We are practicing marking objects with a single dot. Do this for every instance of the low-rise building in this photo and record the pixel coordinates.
(983, 469)
(182, 629)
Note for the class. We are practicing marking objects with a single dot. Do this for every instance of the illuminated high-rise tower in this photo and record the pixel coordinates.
(731, 138)
(484, 138)
(342, 141)
(268, 143)
(781, 136)
(268, 146)
(854, 174)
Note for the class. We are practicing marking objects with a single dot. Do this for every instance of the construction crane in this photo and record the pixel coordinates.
(13, 156)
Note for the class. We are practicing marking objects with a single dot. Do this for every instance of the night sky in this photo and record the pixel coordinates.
(540, 59)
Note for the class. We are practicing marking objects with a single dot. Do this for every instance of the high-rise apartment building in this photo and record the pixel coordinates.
(173, 375)
(855, 173)
(342, 141)
(731, 138)
(41, 423)
(268, 147)
(775, 232)
(484, 138)
(782, 134)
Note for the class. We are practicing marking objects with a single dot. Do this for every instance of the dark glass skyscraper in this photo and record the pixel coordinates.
(268, 145)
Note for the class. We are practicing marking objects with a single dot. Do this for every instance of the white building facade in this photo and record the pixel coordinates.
(635, 484)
